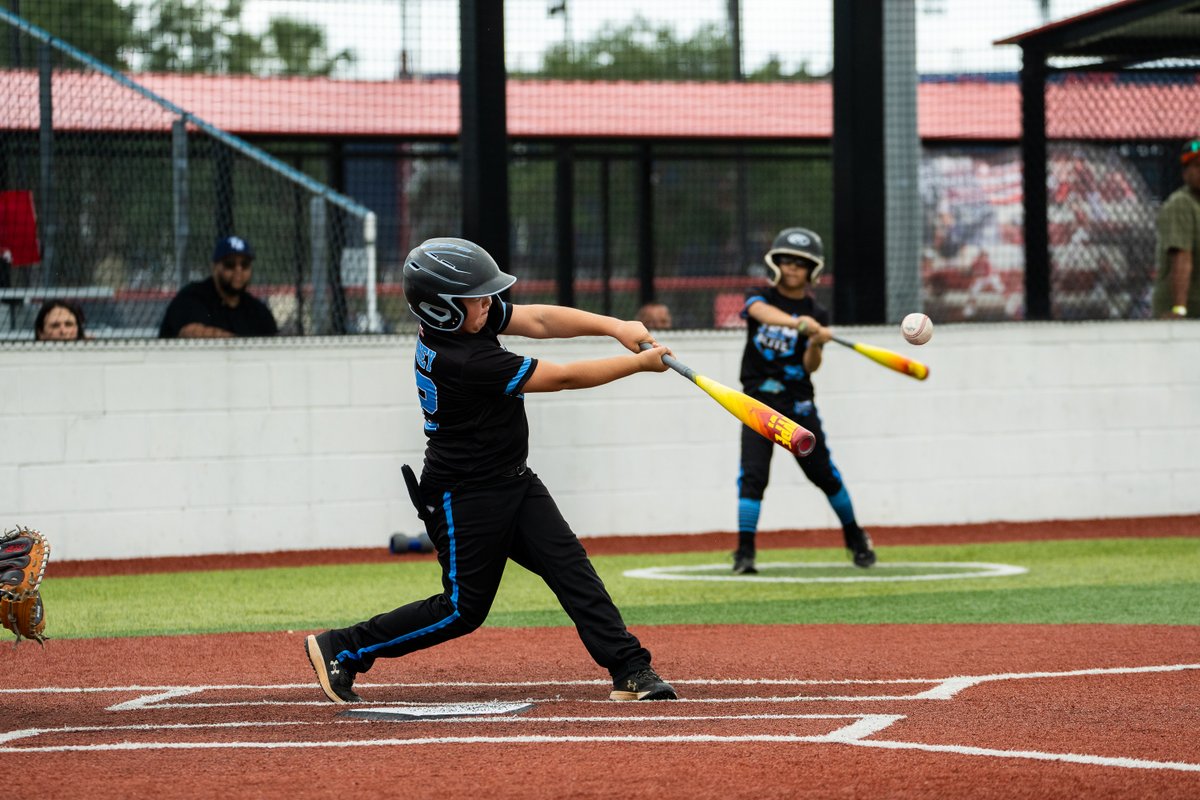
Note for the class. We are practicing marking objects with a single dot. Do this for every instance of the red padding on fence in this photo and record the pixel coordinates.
(18, 227)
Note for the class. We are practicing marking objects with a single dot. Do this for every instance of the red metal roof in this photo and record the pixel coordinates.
(953, 110)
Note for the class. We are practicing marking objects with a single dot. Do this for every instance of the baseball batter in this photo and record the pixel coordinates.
(481, 503)
(786, 331)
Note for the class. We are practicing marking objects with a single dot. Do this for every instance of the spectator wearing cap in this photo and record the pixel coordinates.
(220, 306)
(1177, 281)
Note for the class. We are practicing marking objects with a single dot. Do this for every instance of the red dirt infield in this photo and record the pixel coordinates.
(766, 711)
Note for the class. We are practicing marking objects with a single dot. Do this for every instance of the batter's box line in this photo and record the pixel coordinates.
(862, 725)
(855, 734)
(847, 735)
(159, 697)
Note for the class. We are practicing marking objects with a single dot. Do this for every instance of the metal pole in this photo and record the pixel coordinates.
(741, 176)
(319, 238)
(644, 205)
(179, 195)
(605, 236)
(373, 322)
(859, 140)
(735, 37)
(46, 155)
(564, 223)
(902, 158)
(483, 149)
(15, 38)
(1033, 159)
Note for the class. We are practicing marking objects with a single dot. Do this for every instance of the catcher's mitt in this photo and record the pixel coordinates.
(23, 556)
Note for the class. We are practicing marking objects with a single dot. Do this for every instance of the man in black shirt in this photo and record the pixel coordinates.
(220, 306)
(786, 330)
(481, 504)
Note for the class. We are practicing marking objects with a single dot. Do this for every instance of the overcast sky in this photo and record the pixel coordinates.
(952, 35)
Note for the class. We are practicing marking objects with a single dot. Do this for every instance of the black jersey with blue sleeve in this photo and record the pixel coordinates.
(773, 360)
(470, 391)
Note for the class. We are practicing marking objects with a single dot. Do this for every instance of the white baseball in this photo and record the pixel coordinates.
(917, 328)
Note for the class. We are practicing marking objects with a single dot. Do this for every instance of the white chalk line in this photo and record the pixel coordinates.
(854, 734)
(155, 697)
(862, 722)
(1037, 755)
(841, 736)
(696, 572)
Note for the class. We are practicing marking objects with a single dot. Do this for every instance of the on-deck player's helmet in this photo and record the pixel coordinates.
(438, 272)
(800, 242)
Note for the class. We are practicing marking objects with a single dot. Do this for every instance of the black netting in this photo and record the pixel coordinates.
(655, 148)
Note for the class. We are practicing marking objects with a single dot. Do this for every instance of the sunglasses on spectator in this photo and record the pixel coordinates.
(230, 263)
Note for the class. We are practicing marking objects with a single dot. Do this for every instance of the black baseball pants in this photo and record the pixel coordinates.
(756, 455)
(477, 528)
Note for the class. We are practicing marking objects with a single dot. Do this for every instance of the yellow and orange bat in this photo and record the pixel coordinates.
(757, 416)
(902, 364)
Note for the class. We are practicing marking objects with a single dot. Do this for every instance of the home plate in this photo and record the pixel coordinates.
(440, 711)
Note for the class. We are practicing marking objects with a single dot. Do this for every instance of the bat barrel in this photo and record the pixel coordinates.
(886, 358)
(803, 443)
(756, 415)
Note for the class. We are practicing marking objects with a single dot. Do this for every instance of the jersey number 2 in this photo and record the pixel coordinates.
(427, 391)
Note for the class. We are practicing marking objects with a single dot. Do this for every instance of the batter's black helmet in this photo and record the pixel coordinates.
(438, 272)
(800, 242)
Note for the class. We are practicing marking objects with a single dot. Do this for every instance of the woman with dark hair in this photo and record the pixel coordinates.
(58, 320)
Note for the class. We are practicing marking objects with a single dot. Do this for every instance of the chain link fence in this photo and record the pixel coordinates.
(130, 190)
(128, 193)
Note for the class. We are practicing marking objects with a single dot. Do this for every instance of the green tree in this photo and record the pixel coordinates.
(643, 50)
(208, 36)
(197, 36)
(772, 70)
(101, 28)
(298, 48)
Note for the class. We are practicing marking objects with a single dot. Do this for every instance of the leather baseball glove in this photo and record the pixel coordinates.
(23, 556)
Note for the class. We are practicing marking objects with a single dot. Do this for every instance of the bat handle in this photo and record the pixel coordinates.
(673, 363)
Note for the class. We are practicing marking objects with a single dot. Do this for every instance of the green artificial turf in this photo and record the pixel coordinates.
(1138, 581)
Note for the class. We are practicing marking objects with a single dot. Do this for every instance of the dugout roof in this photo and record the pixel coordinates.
(1124, 34)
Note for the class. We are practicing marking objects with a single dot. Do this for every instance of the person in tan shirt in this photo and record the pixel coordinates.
(1176, 292)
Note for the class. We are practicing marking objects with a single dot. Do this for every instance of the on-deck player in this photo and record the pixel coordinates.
(785, 336)
(482, 504)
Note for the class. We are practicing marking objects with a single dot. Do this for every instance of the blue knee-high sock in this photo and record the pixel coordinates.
(748, 511)
(843, 508)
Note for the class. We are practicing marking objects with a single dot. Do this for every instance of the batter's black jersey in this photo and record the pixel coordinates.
(470, 392)
(773, 360)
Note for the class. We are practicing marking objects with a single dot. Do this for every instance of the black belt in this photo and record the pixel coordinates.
(515, 471)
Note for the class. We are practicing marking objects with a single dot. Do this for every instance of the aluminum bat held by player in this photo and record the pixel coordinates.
(902, 364)
(758, 416)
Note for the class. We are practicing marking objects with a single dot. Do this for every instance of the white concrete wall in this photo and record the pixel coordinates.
(186, 448)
